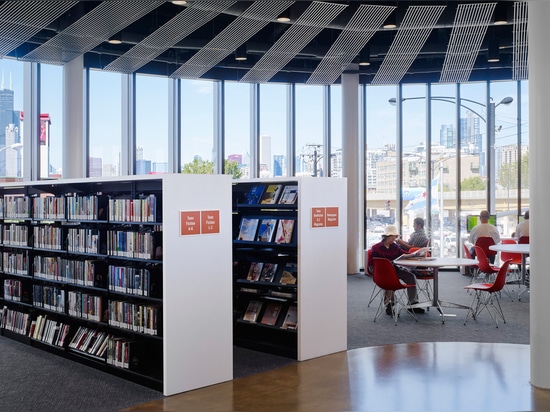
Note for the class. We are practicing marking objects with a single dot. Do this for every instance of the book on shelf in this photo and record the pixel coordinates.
(271, 194)
(271, 313)
(247, 230)
(255, 271)
(285, 228)
(290, 273)
(266, 230)
(254, 195)
(291, 318)
(252, 311)
(268, 272)
(289, 195)
(284, 295)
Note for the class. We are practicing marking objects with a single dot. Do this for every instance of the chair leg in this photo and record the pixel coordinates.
(375, 292)
(474, 307)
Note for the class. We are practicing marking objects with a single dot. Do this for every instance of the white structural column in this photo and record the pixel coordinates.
(539, 170)
(74, 164)
(350, 167)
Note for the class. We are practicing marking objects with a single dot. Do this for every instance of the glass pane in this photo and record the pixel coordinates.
(309, 130)
(197, 125)
(273, 121)
(237, 131)
(524, 169)
(105, 123)
(51, 121)
(11, 107)
(380, 162)
(151, 125)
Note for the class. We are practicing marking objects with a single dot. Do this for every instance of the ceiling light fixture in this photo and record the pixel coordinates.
(364, 56)
(284, 17)
(115, 39)
(493, 55)
(391, 22)
(240, 53)
(179, 2)
(501, 14)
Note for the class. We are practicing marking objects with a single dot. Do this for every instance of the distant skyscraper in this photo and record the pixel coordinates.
(265, 151)
(278, 165)
(96, 166)
(143, 167)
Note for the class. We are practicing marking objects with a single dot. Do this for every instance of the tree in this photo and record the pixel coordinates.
(206, 167)
(508, 174)
(473, 183)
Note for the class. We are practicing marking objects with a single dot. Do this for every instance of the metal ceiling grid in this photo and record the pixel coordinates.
(361, 27)
(312, 21)
(250, 22)
(21, 20)
(418, 23)
(469, 29)
(520, 67)
(166, 36)
(94, 28)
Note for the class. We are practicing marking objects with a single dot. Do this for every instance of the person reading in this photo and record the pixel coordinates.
(389, 249)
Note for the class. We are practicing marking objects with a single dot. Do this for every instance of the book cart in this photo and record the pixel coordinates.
(128, 275)
(290, 289)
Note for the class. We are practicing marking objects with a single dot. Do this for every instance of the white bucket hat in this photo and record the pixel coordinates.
(390, 231)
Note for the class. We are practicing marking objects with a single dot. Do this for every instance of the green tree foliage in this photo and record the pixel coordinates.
(206, 167)
(508, 174)
(473, 183)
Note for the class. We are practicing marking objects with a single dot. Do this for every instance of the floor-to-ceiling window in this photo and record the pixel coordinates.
(151, 124)
(336, 131)
(51, 121)
(309, 130)
(273, 123)
(105, 125)
(237, 132)
(11, 98)
(197, 125)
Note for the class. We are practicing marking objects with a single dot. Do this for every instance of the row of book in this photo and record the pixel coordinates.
(85, 305)
(86, 272)
(15, 235)
(272, 194)
(12, 290)
(131, 244)
(83, 240)
(135, 317)
(15, 263)
(15, 207)
(130, 280)
(48, 207)
(48, 237)
(15, 321)
(49, 331)
(48, 297)
(266, 230)
(133, 210)
(270, 314)
(90, 341)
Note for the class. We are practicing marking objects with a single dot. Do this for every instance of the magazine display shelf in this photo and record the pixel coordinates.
(134, 265)
(315, 255)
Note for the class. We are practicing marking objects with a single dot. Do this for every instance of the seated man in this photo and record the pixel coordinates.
(389, 249)
(418, 238)
(483, 229)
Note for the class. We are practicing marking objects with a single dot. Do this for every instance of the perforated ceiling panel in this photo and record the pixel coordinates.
(418, 23)
(254, 18)
(20, 20)
(359, 30)
(304, 30)
(166, 36)
(97, 26)
(520, 40)
(470, 26)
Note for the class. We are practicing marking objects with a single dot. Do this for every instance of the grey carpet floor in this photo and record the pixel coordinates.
(34, 380)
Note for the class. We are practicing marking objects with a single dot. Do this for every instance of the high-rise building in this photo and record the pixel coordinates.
(278, 165)
(265, 152)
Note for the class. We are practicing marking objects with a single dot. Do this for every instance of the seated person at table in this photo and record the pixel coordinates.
(389, 249)
(483, 229)
(418, 238)
(522, 229)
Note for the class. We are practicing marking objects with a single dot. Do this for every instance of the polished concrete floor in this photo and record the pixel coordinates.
(443, 376)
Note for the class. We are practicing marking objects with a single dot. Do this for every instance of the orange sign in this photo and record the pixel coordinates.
(210, 221)
(332, 217)
(190, 223)
(317, 217)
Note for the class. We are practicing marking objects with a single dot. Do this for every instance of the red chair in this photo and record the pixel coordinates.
(375, 290)
(385, 277)
(486, 269)
(474, 269)
(424, 275)
(484, 243)
(514, 273)
(486, 296)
